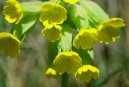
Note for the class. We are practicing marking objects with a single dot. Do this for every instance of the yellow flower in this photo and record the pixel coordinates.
(71, 1)
(9, 44)
(85, 39)
(86, 73)
(52, 33)
(51, 73)
(13, 11)
(108, 30)
(67, 62)
(52, 13)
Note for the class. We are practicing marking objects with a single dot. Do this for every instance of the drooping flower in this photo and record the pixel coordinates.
(51, 73)
(108, 30)
(52, 13)
(67, 62)
(71, 1)
(86, 73)
(9, 44)
(85, 39)
(13, 11)
(52, 33)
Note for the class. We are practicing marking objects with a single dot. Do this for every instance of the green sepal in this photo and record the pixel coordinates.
(95, 13)
(65, 43)
(31, 7)
(87, 56)
(26, 25)
(78, 16)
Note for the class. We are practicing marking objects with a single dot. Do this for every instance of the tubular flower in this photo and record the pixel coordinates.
(51, 73)
(13, 11)
(9, 44)
(86, 73)
(85, 39)
(52, 33)
(52, 13)
(67, 62)
(71, 1)
(108, 30)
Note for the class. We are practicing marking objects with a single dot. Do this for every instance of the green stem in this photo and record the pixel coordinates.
(65, 80)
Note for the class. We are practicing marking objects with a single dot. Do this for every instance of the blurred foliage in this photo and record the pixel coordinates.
(28, 70)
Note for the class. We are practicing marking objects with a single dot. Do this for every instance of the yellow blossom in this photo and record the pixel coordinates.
(85, 39)
(51, 73)
(9, 44)
(67, 62)
(86, 73)
(108, 30)
(13, 11)
(71, 1)
(52, 13)
(52, 33)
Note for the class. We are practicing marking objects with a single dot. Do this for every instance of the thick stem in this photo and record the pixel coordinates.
(65, 80)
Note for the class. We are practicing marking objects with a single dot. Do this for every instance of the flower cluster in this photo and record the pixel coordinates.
(106, 32)
(51, 15)
(92, 28)
(71, 62)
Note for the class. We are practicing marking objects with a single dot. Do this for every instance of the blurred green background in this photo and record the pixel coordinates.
(28, 70)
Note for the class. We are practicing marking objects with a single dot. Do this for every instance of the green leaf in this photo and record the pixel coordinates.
(94, 11)
(25, 26)
(91, 53)
(87, 56)
(65, 43)
(56, 1)
(61, 2)
(31, 7)
(78, 16)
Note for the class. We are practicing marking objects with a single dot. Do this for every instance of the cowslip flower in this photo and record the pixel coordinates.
(9, 44)
(67, 62)
(13, 11)
(52, 33)
(51, 73)
(52, 13)
(108, 30)
(85, 39)
(86, 73)
(71, 1)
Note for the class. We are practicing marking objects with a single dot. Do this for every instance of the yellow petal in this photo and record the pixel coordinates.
(52, 33)
(9, 44)
(13, 11)
(108, 30)
(86, 73)
(51, 73)
(67, 62)
(71, 1)
(52, 13)
(85, 39)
